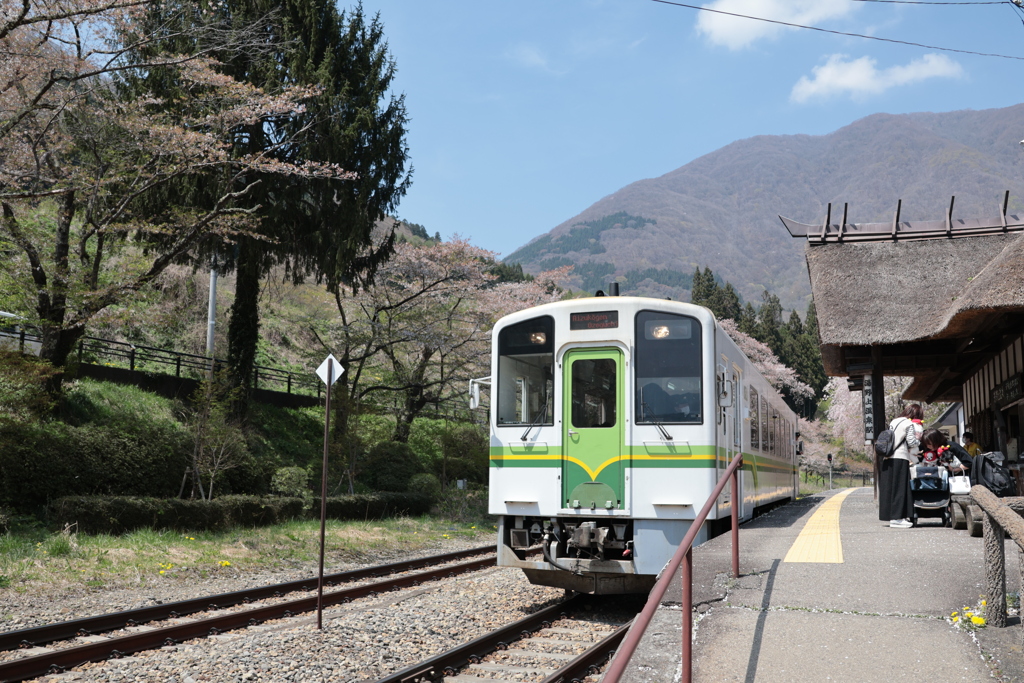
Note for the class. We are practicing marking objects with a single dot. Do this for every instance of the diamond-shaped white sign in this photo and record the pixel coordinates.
(335, 371)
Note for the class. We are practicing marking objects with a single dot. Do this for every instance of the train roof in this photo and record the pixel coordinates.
(597, 303)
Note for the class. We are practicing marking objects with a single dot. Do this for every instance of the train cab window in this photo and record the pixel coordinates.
(526, 356)
(755, 432)
(593, 393)
(669, 366)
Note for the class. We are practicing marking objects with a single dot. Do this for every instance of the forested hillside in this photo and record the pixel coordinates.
(722, 209)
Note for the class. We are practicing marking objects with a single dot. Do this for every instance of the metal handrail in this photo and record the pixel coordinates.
(134, 354)
(683, 556)
(1002, 517)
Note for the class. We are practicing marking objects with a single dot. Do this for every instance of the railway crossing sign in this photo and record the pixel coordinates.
(329, 371)
(330, 363)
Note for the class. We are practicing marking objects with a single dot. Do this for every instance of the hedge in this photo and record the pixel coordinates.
(373, 505)
(120, 514)
(40, 460)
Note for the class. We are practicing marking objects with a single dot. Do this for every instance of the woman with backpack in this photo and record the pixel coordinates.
(894, 500)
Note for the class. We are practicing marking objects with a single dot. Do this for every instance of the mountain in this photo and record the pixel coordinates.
(722, 209)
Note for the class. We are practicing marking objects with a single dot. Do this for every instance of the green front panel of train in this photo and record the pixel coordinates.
(593, 429)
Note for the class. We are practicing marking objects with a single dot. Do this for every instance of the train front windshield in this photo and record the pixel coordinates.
(668, 369)
(526, 355)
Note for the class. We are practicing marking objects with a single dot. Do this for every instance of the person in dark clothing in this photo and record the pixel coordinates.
(895, 503)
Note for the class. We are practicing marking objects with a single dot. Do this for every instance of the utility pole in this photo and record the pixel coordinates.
(211, 314)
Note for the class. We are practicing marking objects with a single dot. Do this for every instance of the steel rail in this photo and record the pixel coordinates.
(588, 663)
(683, 552)
(447, 663)
(40, 635)
(60, 660)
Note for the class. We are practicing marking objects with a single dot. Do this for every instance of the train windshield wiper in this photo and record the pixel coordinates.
(661, 428)
(537, 420)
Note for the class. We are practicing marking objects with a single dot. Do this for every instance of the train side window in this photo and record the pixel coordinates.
(593, 393)
(737, 432)
(669, 367)
(755, 438)
(525, 387)
(764, 425)
(773, 423)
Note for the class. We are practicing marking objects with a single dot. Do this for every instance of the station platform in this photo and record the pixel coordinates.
(848, 600)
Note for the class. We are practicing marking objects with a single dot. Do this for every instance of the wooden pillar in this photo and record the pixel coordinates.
(995, 573)
(878, 391)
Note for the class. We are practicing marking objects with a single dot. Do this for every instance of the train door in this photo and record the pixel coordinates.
(730, 432)
(593, 429)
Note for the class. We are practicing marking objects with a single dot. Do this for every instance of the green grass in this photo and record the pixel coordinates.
(32, 558)
(816, 484)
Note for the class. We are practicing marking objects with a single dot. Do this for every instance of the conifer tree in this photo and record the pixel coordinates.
(319, 228)
(703, 284)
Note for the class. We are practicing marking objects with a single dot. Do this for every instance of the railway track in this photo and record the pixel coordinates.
(236, 612)
(553, 645)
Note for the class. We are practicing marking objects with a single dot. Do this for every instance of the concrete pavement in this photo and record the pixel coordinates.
(880, 614)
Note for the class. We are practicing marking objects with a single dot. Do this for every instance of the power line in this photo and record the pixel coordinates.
(839, 33)
(938, 2)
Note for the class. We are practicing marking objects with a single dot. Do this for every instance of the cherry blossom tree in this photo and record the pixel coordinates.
(410, 340)
(80, 152)
(766, 362)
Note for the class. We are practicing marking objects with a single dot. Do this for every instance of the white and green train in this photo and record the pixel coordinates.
(611, 420)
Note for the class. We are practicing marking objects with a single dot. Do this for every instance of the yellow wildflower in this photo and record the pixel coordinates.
(978, 621)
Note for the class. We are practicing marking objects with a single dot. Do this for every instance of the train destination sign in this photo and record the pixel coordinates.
(594, 320)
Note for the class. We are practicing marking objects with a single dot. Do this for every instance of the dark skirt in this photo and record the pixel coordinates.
(894, 498)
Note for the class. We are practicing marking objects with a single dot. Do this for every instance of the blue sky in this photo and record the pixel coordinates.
(525, 113)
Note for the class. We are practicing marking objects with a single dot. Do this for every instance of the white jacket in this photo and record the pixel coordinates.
(906, 433)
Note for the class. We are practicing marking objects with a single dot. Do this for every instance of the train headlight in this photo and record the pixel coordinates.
(538, 337)
(660, 331)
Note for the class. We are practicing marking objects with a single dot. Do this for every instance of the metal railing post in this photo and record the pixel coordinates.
(177, 366)
(736, 502)
(687, 605)
(131, 359)
(289, 382)
(21, 341)
(683, 553)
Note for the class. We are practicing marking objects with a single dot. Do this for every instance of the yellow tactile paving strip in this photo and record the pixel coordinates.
(819, 541)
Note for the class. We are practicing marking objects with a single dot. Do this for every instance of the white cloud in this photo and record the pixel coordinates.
(530, 56)
(735, 33)
(861, 77)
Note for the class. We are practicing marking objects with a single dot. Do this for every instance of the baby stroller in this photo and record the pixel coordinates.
(929, 488)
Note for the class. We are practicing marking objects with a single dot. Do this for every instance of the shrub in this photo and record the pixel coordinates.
(427, 484)
(374, 505)
(290, 481)
(389, 466)
(5, 521)
(23, 381)
(119, 514)
(43, 460)
(463, 505)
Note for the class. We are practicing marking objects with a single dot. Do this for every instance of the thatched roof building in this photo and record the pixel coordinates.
(937, 307)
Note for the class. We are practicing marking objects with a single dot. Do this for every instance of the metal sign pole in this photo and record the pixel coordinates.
(323, 500)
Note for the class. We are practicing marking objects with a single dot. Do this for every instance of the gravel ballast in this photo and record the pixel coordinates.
(362, 640)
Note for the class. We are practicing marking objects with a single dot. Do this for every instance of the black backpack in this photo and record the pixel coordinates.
(885, 444)
(988, 473)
